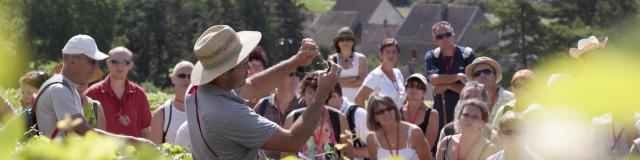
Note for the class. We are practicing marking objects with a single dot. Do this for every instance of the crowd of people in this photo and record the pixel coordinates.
(230, 105)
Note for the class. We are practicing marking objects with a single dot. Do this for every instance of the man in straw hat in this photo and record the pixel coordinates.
(587, 45)
(221, 125)
(488, 72)
(58, 96)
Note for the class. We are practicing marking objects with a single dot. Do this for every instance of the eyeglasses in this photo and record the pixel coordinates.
(382, 111)
(344, 39)
(444, 35)
(184, 76)
(416, 86)
(117, 62)
(311, 79)
(509, 132)
(38, 74)
(482, 71)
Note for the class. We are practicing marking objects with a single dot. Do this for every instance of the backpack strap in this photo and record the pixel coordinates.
(51, 81)
(194, 90)
(167, 121)
(297, 114)
(334, 118)
(352, 124)
(425, 122)
(262, 106)
(94, 106)
(446, 147)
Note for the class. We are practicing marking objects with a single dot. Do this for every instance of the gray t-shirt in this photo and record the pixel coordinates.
(55, 103)
(230, 127)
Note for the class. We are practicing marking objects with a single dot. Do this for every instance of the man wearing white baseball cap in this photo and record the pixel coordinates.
(58, 96)
(221, 125)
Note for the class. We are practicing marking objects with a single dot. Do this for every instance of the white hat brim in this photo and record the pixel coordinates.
(98, 56)
(248, 39)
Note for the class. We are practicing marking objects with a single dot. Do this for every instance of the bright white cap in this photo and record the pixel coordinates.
(83, 44)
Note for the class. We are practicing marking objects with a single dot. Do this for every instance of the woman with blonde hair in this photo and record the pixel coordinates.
(469, 143)
(391, 137)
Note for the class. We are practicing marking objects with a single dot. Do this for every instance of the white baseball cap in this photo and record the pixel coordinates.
(83, 44)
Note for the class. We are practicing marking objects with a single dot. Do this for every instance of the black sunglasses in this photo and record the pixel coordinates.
(382, 111)
(184, 76)
(116, 62)
(444, 35)
(483, 71)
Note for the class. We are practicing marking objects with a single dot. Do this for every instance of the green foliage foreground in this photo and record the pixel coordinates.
(90, 146)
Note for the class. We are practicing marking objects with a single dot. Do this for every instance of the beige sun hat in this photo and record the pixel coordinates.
(587, 45)
(486, 60)
(345, 33)
(420, 78)
(219, 49)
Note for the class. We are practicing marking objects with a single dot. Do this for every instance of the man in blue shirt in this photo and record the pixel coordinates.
(445, 69)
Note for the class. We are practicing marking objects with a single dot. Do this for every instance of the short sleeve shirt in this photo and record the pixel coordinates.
(90, 113)
(127, 116)
(272, 113)
(380, 83)
(230, 127)
(56, 102)
(182, 136)
(360, 120)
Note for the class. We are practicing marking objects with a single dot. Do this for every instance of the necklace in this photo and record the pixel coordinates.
(397, 140)
(412, 119)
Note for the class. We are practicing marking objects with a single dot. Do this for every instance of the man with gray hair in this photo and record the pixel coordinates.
(125, 104)
(167, 118)
(58, 97)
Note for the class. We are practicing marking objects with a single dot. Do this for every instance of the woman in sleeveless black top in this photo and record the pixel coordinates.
(416, 112)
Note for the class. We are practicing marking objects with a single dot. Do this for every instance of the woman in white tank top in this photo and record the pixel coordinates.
(392, 138)
(354, 64)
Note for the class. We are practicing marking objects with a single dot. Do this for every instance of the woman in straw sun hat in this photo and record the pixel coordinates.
(220, 123)
(354, 63)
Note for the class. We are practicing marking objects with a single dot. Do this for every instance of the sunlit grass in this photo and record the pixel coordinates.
(318, 5)
(404, 11)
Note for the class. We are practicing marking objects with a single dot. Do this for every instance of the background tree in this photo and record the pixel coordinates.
(50, 23)
(521, 28)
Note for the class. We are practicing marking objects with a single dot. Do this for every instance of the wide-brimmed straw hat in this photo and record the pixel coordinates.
(219, 49)
(345, 33)
(587, 45)
(486, 60)
(97, 74)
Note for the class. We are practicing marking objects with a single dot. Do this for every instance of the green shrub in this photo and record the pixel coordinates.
(156, 99)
